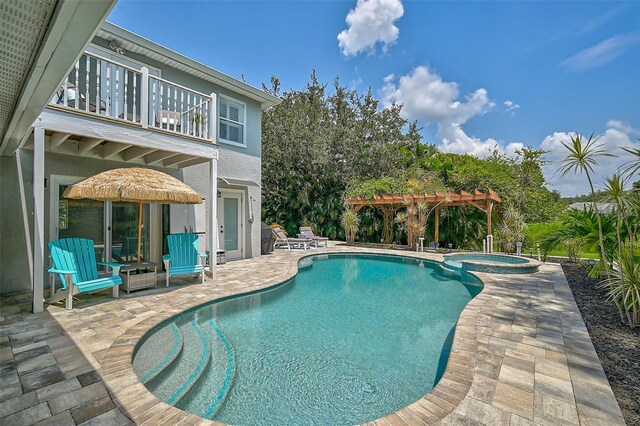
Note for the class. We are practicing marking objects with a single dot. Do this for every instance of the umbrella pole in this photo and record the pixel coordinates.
(139, 228)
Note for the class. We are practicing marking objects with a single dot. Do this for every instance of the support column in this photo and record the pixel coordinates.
(38, 218)
(437, 225)
(489, 211)
(212, 238)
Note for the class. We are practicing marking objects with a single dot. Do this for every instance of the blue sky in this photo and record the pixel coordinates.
(473, 73)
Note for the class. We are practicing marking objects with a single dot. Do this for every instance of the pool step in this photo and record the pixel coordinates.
(451, 268)
(453, 265)
(177, 379)
(208, 394)
(158, 352)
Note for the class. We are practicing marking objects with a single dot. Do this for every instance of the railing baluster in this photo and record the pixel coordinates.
(175, 109)
(154, 107)
(65, 100)
(86, 83)
(189, 113)
(161, 105)
(125, 108)
(108, 94)
(77, 89)
(117, 100)
(206, 119)
(183, 117)
(98, 100)
(135, 78)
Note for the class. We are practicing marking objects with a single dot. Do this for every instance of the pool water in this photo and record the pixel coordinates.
(351, 338)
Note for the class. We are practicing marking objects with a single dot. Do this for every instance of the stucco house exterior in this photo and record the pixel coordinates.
(120, 100)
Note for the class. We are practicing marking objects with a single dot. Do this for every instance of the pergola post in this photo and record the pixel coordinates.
(437, 225)
(489, 211)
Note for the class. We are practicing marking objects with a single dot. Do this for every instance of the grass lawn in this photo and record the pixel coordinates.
(589, 254)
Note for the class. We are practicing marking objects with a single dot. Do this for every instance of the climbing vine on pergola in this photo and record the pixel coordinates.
(390, 204)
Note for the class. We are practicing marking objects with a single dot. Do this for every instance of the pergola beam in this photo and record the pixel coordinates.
(483, 201)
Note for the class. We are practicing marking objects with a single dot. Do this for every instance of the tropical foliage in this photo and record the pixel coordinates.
(326, 144)
(511, 229)
(314, 143)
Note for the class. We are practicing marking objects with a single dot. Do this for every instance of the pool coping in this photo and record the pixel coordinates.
(474, 330)
(521, 268)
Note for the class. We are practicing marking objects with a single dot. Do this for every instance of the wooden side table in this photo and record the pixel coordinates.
(139, 275)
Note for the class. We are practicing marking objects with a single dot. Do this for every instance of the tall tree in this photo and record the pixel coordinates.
(582, 157)
(318, 139)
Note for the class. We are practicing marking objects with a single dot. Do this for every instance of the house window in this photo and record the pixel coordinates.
(232, 121)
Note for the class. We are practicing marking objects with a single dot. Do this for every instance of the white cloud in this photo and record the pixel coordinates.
(616, 135)
(371, 22)
(425, 96)
(511, 106)
(601, 53)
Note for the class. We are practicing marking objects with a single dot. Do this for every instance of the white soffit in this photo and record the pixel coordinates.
(23, 23)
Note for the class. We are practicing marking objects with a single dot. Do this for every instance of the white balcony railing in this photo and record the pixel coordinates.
(103, 87)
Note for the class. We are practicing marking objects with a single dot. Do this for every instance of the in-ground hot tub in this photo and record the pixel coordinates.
(489, 262)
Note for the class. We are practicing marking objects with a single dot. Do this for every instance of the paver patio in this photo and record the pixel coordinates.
(521, 354)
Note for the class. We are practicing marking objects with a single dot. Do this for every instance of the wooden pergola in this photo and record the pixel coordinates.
(483, 201)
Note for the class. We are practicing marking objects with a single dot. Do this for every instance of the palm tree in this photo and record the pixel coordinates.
(623, 287)
(614, 192)
(581, 157)
(633, 165)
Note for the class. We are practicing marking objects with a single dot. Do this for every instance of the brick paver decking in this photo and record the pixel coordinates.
(521, 354)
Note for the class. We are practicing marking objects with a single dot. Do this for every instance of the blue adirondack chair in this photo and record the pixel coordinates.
(74, 260)
(183, 257)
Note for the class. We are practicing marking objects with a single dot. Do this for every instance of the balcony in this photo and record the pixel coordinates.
(104, 88)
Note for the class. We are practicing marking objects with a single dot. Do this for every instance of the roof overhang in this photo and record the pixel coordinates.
(67, 30)
(239, 182)
(83, 136)
(145, 47)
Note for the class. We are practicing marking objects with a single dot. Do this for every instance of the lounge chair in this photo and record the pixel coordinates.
(309, 233)
(183, 257)
(433, 245)
(74, 260)
(283, 240)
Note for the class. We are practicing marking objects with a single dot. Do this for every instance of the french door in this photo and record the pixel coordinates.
(231, 224)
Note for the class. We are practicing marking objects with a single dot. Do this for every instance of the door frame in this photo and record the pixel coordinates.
(54, 196)
(242, 234)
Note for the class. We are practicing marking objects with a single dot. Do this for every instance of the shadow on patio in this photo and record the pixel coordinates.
(50, 361)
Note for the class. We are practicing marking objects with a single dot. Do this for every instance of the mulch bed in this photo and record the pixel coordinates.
(617, 345)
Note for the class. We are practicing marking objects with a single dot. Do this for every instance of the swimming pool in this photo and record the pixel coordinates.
(349, 339)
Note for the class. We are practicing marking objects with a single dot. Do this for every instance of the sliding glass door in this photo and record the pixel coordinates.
(113, 226)
(124, 232)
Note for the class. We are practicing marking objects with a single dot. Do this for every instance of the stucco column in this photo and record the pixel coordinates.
(212, 238)
(38, 218)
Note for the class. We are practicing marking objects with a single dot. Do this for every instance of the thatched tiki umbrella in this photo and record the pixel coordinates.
(135, 185)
